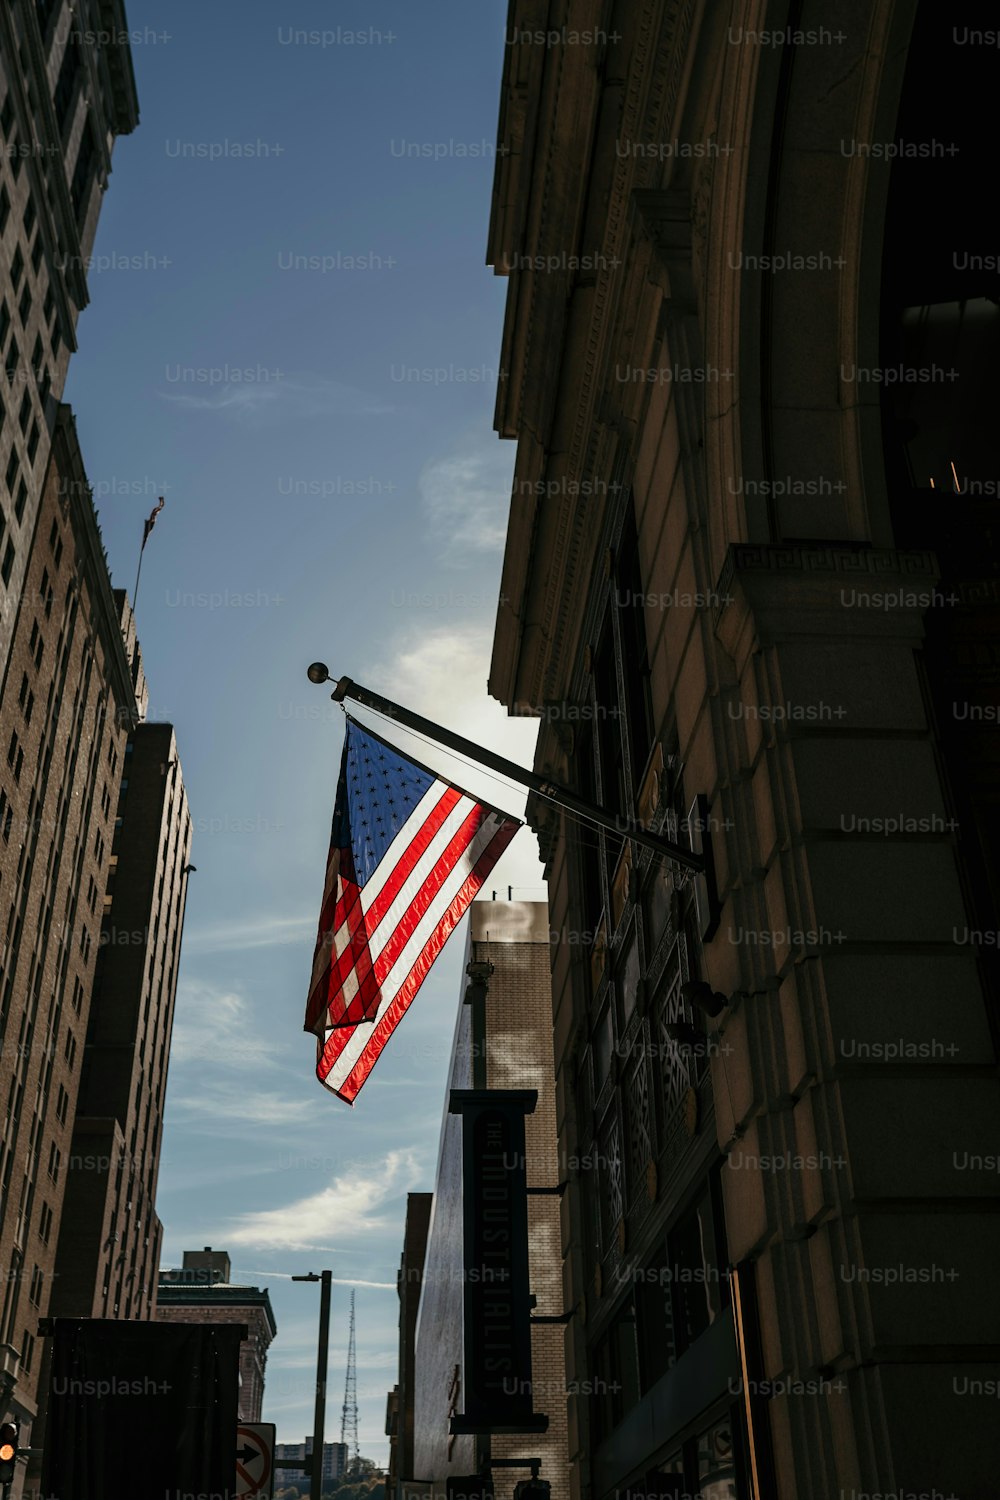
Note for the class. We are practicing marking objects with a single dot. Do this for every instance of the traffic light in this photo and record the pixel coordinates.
(8, 1451)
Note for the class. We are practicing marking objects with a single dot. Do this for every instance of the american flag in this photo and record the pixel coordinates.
(151, 522)
(408, 852)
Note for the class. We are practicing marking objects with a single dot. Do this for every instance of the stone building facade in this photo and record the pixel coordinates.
(750, 586)
(399, 1406)
(67, 91)
(505, 1045)
(67, 706)
(202, 1292)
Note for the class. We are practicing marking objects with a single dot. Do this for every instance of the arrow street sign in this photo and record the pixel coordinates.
(255, 1460)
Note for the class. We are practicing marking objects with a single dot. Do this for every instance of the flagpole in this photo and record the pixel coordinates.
(150, 523)
(135, 591)
(550, 790)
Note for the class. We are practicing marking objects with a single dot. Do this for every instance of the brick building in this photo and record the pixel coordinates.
(201, 1292)
(67, 705)
(750, 589)
(503, 1043)
(66, 92)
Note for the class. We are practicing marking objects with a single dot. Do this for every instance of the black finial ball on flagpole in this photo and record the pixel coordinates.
(318, 672)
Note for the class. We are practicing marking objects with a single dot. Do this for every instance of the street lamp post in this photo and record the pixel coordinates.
(319, 1420)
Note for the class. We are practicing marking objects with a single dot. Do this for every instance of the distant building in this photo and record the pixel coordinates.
(503, 1041)
(109, 1247)
(334, 1460)
(201, 1292)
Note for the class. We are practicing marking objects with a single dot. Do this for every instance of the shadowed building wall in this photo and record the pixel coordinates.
(752, 602)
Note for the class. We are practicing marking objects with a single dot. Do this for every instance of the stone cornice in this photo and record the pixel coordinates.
(92, 564)
(779, 592)
(562, 331)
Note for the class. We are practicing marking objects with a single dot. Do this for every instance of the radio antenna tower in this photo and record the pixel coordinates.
(349, 1417)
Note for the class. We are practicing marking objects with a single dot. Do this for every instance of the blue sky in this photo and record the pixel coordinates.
(292, 239)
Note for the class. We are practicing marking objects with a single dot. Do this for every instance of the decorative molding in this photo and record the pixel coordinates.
(621, 884)
(599, 956)
(652, 787)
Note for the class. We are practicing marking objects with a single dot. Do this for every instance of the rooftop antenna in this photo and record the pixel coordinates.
(349, 1416)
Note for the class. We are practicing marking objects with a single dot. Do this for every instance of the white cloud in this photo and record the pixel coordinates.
(466, 495)
(215, 1026)
(443, 676)
(348, 1207)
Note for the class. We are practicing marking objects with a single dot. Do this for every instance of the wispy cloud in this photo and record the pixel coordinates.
(216, 1026)
(238, 1105)
(466, 495)
(276, 397)
(348, 1207)
(256, 932)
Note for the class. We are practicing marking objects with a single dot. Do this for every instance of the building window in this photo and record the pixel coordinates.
(44, 1223)
(62, 1104)
(15, 755)
(4, 209)
(69, 72)
(17, 269)
(24, 414)
(27, 1353)
(4, 321)
(35, 1289)
(33, 442)
(21, 501)
(83, 174)
(55, 1157)
(11, 475)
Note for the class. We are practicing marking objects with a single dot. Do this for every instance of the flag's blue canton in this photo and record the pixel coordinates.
(379, 788)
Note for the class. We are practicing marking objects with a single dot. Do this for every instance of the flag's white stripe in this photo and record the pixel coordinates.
(401, 842)
(463, 868)
(362, 1034)
(422, 870)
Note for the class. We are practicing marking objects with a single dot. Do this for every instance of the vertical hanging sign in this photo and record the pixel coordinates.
(496, 1383)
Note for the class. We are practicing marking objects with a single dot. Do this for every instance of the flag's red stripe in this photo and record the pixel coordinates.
(338, 1039)
(405, 866)
(366, 1002)
(320, 996)
(328, 1054)
(356, 956)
